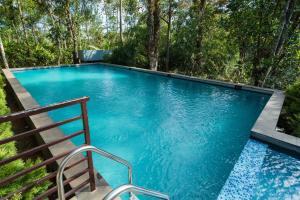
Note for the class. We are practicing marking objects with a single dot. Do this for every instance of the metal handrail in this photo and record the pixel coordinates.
(89, 148)
(136, 190)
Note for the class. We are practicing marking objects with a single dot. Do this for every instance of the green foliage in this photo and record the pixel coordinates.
(256, 26)
(40, 55)
(231, 40)
(208, 61)
(287, 67)
(291, 117)
(8, 150)
(132, 52)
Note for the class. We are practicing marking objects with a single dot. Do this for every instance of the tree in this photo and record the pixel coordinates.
(169, 24)
(247, 41)
(283, 32)
(23, 23)
(153, 24)
(261, 28)
(47, 5)
(197, 13)
(72, 31)
(3, 54)
(120, 21)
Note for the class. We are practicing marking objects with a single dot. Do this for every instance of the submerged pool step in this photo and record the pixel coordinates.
(133, 197)
(242, 180)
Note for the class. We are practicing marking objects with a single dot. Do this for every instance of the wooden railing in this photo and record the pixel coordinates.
(33, 151)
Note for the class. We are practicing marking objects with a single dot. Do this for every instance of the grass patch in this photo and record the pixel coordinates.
(8, 150)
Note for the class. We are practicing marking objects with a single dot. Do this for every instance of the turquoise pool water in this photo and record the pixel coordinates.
(182, 137)
(263, 172)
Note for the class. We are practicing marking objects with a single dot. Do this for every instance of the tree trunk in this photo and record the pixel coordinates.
(256, 73)
(72, 31)
(106, 20)
(3, 54)
(59, 53)
(87, 32)
(120, 21)
(199, 8)
(153, 24)
(284, 27)
(17, 35)
(282, 35)
(22, 19)
(57, 26)
(34, 34)
(169, 35)
(21, 16)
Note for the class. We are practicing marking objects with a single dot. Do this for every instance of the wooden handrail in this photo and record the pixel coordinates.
(40, 181)
(66, 182)
(38, 148)
(39, 110)
(38, 130)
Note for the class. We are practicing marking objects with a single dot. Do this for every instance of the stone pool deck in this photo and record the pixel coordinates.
(264, 128)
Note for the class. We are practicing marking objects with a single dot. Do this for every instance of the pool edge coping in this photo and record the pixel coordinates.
(264, 128)
(238, 86)
(26, 101)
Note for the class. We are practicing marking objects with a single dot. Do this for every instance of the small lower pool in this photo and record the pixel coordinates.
(182, 137)
(263, 172)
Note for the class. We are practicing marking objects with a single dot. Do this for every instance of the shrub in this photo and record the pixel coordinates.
(8, 150)
(41, 54)
(290, 119)
(132, 52)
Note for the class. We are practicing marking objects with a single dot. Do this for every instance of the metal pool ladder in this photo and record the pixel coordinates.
(132, 189)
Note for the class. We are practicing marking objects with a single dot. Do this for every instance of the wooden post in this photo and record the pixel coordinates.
(88, 142)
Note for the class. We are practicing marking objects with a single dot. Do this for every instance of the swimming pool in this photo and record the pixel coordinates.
(182, 137)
